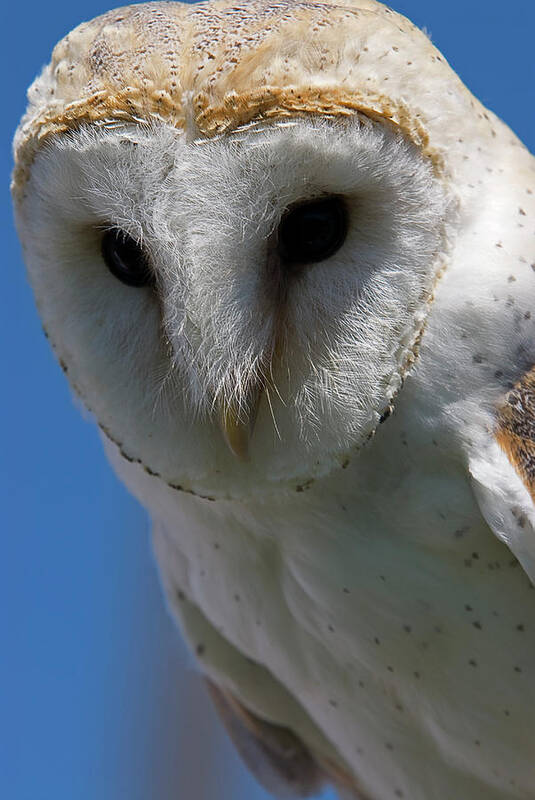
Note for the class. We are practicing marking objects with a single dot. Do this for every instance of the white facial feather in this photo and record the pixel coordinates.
(208, 216)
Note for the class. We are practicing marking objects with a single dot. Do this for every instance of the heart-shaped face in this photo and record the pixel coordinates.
(234, 240)
(275, 278)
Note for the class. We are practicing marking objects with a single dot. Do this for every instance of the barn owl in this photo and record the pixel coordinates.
(286, 260)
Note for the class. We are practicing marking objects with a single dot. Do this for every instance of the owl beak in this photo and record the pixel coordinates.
(237, 424)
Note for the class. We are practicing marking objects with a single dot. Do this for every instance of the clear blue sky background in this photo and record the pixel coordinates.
(93, 696)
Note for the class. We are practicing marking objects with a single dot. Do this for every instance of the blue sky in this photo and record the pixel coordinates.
(96, 693)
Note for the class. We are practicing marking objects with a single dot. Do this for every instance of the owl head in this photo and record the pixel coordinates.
(235, 219)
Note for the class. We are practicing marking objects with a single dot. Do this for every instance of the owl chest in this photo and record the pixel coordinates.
(404, 635)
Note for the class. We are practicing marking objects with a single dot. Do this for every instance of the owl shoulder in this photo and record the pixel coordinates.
(516, 429)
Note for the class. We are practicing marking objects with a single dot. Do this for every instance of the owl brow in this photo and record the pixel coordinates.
(254, 126)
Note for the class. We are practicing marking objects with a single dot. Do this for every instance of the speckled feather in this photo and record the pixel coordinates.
(516, 428)
(210, 67)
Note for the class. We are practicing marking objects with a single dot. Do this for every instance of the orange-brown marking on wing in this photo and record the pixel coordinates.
(516, 429)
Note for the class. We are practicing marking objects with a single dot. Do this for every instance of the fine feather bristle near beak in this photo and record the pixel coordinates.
(237, 424)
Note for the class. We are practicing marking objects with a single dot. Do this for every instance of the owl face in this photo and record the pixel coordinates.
(274, 278)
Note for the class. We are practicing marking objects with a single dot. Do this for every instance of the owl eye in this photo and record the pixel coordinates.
(126, 259)
(313, 231)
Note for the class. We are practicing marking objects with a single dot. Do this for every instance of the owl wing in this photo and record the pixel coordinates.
(273, 734)
(277, 758)
(503, 474)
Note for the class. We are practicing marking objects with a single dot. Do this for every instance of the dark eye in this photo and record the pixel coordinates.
(126, 259)
(313, 231)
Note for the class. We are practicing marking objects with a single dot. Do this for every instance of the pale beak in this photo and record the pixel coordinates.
(237, 424)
